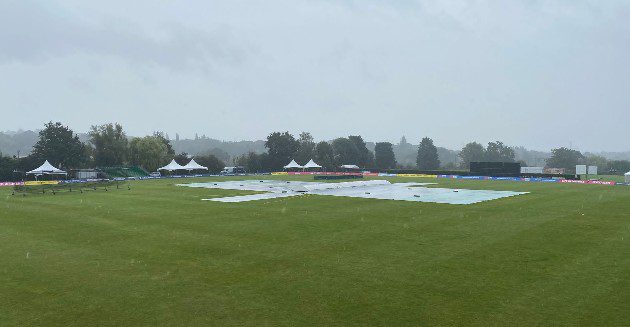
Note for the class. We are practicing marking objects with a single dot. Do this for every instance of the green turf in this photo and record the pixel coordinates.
(157, 255)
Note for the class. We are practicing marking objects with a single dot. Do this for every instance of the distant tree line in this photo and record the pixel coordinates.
(283, 147)
(108, 145)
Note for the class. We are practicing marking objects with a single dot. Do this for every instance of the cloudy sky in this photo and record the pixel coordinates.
(534, 73)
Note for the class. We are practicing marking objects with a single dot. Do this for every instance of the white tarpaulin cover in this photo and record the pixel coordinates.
(173, 165)
(47, 168)
(193, 165)
(312, 164)
(373, 189)
(293, 164)
(627, 177)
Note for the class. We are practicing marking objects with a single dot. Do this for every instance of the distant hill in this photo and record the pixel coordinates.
(532, 158)
(20, 142)
(204, 145)
(611, 155)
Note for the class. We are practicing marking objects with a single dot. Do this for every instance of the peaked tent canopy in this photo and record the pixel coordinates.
(47, 168)
(312, 164)
(173, 165)
(292, 164)
(193, 165)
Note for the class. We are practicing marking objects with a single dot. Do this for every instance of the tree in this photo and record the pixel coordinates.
(219, 153)
(306, 145)
(254, 163)
(447, 156)
(345, 152)
(471, 152)
(182, 158)
(565, 158)
(214, 164)
(110, 145)
(498, 152)
(366, 157)
(384, 156)
(7, 166)
(149, 152)
(450, 166)
(324, 155)
(167, 143)
(599, 161)
(619, 166)
(60, 146)
(281, 148)
(427, 155)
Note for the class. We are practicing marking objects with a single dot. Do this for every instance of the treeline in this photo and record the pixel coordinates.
(353, 150)
(283, 147)
(108, 145)
(569, 158)
(21, 143)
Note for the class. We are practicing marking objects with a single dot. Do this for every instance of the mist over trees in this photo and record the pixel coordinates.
(225, 150)
(618, 167)
(108, 145)
(405, 153)
(105, 146)
(18, 143)
(21, 143)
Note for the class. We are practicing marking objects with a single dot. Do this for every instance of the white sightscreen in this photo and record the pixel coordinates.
(580, 169)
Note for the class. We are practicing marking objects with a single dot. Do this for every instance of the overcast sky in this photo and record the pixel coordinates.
(535, 73)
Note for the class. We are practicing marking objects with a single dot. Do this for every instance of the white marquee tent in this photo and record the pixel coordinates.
(293, 164)
(350, 167)
(46, 169)
(626, 177)
(193, 165)
(311, 164)
(173, 165)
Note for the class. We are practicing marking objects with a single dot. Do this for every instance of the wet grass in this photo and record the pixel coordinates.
(157, 255)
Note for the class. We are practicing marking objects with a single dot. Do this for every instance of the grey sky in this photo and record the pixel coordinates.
(534, 73)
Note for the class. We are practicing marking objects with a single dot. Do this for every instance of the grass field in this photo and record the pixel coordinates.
(157, 255)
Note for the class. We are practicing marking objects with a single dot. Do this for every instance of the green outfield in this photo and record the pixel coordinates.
(158, 255)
